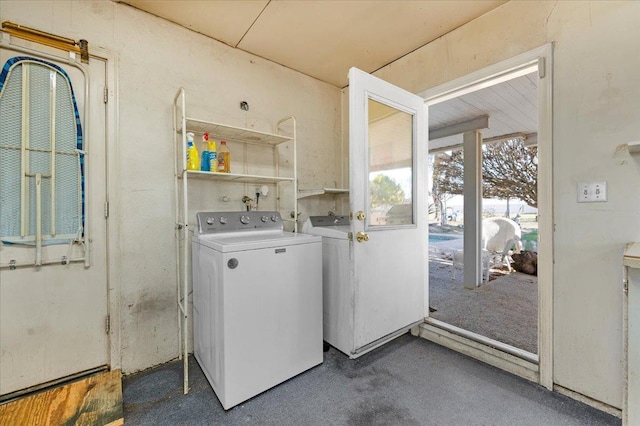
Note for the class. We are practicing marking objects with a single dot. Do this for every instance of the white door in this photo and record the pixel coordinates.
(52, 317)
(387, 163)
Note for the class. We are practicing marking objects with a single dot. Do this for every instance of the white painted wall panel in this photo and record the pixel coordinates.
(596, 105)
(155, 58)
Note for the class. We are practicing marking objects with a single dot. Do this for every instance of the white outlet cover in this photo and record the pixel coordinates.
(592, 192)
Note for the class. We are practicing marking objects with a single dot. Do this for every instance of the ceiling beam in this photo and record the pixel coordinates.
(529, 139)
(478, 123)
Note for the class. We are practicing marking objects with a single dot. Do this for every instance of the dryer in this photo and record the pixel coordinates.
(340, 301)
(337, 304)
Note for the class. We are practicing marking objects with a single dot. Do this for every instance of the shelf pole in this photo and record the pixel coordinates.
(177, 217)
(182, 228)
(185, 250)
(295, 170)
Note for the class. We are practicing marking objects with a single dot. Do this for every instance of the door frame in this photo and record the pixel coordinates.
(112, 278)
(541, 57)
(112, 180)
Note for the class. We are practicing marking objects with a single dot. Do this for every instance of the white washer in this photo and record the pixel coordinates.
(338, 288)
(340, 301)
(257, 302)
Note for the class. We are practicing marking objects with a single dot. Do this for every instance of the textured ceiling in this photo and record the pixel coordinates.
(322, 39)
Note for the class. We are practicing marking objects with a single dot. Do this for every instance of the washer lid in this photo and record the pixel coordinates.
(328, 226)
(331, 220)
(243, 241)
(340, 231)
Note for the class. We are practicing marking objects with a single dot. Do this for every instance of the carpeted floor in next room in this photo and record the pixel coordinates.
(409, 381)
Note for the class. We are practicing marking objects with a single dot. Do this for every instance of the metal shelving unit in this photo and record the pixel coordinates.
(181, 125)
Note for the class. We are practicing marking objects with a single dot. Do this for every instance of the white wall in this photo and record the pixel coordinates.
(596, 109)
(155, 58)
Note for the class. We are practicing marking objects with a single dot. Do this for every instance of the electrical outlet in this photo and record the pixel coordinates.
(592, 192)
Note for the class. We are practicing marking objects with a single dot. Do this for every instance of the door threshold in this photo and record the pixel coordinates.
(8, 397)
(498, 354)
(520, 353)
(381, 341)
(96, 399)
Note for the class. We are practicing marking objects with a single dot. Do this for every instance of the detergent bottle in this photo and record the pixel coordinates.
(193, 161)
(213, 156)
(224, 159)
(205, 162)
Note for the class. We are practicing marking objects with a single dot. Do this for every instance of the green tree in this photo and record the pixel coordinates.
(385, 191)
(509, 170)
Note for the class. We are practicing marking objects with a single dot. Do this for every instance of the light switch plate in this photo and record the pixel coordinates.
(592, 192)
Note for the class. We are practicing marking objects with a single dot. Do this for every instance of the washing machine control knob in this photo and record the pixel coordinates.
(274, 218)
(264, 218)
(210, 221)
(223, 220)
(244, 219)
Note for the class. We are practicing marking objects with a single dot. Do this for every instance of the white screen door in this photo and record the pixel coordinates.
(52, 317)
(387, 163)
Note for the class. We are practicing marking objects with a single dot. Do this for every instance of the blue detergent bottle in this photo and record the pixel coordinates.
(205, 164)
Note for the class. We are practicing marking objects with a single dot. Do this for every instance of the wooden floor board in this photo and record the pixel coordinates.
(95, 400)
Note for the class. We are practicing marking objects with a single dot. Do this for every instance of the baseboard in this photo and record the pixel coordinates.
(589, 401)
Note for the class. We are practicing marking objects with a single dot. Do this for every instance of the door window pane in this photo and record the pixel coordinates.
(390, 166)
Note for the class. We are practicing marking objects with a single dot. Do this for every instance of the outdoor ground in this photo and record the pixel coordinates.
(504, 309)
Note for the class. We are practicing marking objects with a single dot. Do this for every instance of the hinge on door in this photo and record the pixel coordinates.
(107, 324)
(106, 209)
(106, 94)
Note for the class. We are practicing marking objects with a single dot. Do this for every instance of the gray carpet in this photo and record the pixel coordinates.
(504, 309)
(409, 381)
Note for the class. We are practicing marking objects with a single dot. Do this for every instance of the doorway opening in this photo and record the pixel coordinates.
(498, 302)
(484, 238)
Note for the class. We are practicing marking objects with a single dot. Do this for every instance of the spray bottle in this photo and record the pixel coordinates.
(205, 162)
(193, 161)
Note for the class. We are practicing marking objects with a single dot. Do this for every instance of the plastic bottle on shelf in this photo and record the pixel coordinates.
(224, 158)
(193, 161)
(213, 156)
(205, 162)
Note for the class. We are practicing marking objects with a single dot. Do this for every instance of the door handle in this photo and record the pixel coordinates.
(360, 215)
(362, 236)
